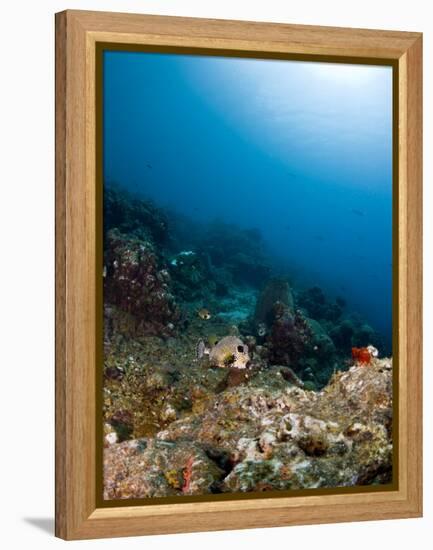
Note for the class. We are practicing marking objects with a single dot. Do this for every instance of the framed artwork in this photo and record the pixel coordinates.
(238, 274)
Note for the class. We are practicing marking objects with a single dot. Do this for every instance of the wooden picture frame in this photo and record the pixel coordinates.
(78, 34)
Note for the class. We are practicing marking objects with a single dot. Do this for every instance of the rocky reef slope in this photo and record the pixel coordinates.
(265, 433)
(221, 375)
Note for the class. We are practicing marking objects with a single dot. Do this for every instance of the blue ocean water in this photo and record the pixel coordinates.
(301, 151)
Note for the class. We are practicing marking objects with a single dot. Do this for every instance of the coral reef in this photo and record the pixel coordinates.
(152, 468)
(353, 332)
(136, 284)
(255, 437)
(134, 216)
(271, 301)
(291, 338)
(221, 377)
(318, 307)
(239, 251)
(288, 339)
(192, 281)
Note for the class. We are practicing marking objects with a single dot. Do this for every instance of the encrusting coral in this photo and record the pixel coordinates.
(137, 285)
(253, 439)
(276, 291)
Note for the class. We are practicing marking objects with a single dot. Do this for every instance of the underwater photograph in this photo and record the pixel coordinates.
(247, 275)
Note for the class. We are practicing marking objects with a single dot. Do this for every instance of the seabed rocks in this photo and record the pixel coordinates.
(248, 438)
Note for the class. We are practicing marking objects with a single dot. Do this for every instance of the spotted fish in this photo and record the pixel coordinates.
(229, 352)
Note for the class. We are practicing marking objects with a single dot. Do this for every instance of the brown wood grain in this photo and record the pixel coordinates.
(77, 32)
(60, 216)
(413, 292)
(248, 35)
(75, 282)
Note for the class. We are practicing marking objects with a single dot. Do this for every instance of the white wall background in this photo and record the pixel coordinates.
(27, 269)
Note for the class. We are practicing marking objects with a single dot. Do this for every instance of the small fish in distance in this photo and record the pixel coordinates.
(204, 314)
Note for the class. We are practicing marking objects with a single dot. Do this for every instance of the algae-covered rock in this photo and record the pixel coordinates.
(289, 339)
(134, 216)
(137, 284)
(276, 290)
(151, 468)
(318, 306)
(248, 438)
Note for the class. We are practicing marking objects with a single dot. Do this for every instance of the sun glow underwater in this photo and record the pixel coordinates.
(300, 151)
